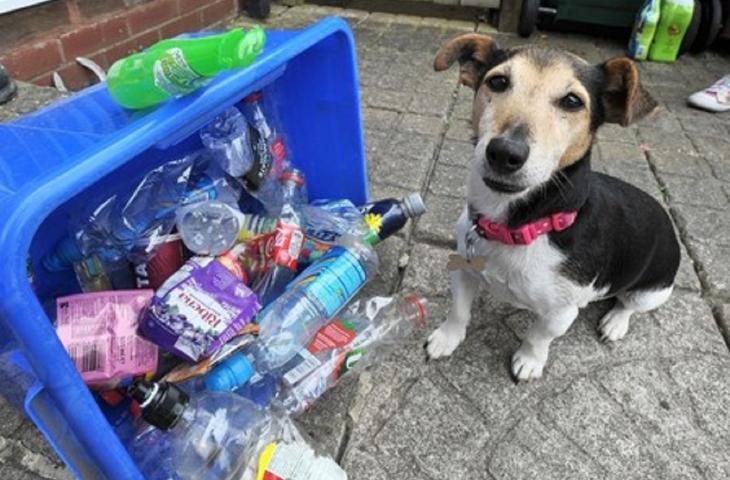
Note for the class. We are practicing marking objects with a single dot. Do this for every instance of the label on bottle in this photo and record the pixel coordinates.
(307, 364)
(173, 75)
(296, 461)
(262, 161)
(335, 335)
(332, 280)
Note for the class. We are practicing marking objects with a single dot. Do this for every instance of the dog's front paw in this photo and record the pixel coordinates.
(444, 340)
(526, 365)
(614, 325)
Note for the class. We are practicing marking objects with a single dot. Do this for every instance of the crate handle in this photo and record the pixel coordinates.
(42, 410)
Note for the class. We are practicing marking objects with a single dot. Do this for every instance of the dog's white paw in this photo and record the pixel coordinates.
(614, 325)
(444, 340)
(526, 366)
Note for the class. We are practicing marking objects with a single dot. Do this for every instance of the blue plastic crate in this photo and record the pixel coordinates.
(54, 161)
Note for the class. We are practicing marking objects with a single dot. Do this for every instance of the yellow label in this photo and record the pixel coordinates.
(265, 459)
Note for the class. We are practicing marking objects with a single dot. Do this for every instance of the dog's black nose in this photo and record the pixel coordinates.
(507, 155)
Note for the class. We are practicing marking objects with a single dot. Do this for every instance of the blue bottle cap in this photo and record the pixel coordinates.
(231, 374)
(65, 254)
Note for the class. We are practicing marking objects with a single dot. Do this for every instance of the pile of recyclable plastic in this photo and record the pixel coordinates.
(218, 302)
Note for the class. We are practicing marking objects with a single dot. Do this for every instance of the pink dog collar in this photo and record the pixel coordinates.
(526, 234)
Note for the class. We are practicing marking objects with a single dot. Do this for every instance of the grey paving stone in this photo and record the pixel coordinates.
(620, 153)
(407, 161)
(456, 153)
(537, 450)
(713, 261)
(616, 133)
(677, 143)
(421, 124)
(389, 255)
(377, 119)
(361, 465)
(686, 276)
(717, 152)
(449, 180)
(686, 164)
(433, 438)
(437, 103)
(705, 193)
(704, 225)
(438, 224)
(464, 103)
(426, 273)
(383, 98)
(460, 130)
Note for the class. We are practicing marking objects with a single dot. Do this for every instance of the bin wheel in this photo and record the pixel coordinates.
(259, 8)
(528, 17)
(691, 34)
(709, 26)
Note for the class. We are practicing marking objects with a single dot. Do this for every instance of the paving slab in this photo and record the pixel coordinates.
(653, 405)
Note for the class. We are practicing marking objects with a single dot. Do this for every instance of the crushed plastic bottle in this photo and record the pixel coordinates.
(227, 139)
(284, 246)
(212, 435)
(365, 333)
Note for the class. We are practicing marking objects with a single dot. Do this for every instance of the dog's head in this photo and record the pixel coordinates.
(536, 110)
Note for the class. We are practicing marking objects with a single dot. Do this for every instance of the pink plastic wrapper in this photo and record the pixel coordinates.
(99, 332)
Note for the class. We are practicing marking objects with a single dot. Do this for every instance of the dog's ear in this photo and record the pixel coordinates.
(472, 51)
(624, 99)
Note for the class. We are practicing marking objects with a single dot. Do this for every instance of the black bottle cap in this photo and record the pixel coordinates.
(162, 404)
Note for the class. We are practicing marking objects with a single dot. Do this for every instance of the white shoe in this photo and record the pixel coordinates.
(715, 98)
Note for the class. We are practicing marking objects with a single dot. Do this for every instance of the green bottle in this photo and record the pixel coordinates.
(177, 67)
(676, 15)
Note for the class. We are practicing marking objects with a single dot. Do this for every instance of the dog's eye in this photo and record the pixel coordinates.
(571, 102)
(498, 83)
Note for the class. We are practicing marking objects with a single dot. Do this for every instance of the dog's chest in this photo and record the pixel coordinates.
(530, 276)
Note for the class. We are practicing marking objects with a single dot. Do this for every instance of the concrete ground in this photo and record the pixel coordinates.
(654, 405)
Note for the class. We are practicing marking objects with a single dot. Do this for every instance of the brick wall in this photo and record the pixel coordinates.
(106, 37)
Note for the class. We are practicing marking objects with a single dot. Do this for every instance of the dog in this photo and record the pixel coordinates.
(555, 235)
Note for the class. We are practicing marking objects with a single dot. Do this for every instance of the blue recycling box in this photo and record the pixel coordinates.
(54, 161)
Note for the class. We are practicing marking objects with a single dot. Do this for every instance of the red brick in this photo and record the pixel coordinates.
(114, 30)
(34, 60)
(133, 45)
(81, 41)
(191, 22)
(217, 11)
(151, 15)
(190, 5)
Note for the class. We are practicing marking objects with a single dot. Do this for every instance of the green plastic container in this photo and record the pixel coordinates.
(177, 67)
(676, 15)
(645, 27)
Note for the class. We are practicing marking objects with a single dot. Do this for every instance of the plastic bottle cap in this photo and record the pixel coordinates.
(420, 304)
(294, 175)
(162, 404)
(413, 205)
(254, 97)
(231, 374)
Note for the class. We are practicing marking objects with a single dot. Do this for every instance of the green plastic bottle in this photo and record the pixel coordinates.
(177, 67)
(644, 29)
(675, 19)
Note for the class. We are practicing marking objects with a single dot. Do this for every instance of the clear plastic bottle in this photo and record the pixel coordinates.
(227, 139)
(212, 435)
(286, 242)
(368, 331)
(310, 301)
(269, 152)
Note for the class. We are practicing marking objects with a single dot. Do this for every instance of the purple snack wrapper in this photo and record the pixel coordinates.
(197, 310)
